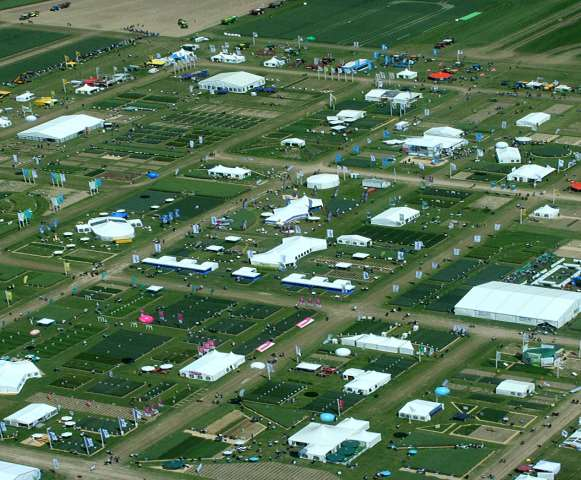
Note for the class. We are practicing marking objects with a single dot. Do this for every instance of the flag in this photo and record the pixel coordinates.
(25, 279)
(365, 275)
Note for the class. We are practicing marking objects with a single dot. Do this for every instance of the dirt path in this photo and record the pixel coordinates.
(529, 442)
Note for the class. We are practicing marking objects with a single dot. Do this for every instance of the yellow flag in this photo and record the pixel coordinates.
(8, 294)
(25, 279)
(67, 267)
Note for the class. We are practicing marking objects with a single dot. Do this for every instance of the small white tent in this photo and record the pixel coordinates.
(407, 75)
(533, 120)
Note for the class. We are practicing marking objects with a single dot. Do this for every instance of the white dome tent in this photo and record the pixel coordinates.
(323, 181)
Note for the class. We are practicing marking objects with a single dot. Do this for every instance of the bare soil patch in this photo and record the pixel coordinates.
(491, 202)
(558, 108)
(152, 15)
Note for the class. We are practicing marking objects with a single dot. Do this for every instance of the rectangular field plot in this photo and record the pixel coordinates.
(400, 236)
(516, 246)
(14, 40)
(71, 380)
(489, 273)
(54, 56)
(276, 392)
(230, 326)
(371, 23)
(192, 311)
(183, 445)
(287, 417)
(327, 401)
(116, 387)
(123, 346)
(419, 294)
(434, 338)
(205, 188)
(450, 461)
(255, 310)
(271, 331)
(447, 300)
(456, 270)
(65, 339)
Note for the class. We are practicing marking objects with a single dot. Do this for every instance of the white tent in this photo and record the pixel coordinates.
(274, 62)
(87, 90)
(185, 264)
(318, 440)
(407, 74)
(297, 209)
(370, 341)
(235, 82)
(339, 285)
(376, 95)
(547, 466)
(224, 57)
(293, 142)
(212, 366)
(31, 415)
(109, 229)
(13, 375)
(354, 240)
(546, 211)
(237, 173)
(248, 273)
(506, 154)
(429, 145)
(323, 181)
(350, 116)
(289, 252)
(395, 217)
(422, 410)
(526, 304)
(365, 382)
(406, 99)
(61, 129)
(449, 132)
(515, 388)
(529, 173)
(5, 122)
(533, 120)
(16, 471)
(25, 97)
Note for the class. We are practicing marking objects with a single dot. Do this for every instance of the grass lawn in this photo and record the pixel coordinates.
(208, 188)
(14, 40)
(453, 461)
(55, 56)
(183, 445)
(287, 417)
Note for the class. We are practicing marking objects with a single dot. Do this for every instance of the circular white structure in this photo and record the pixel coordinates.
(342, 352)
(258, 365)
(323, 181)
(112, 229)
(501, 145)
(148, 369)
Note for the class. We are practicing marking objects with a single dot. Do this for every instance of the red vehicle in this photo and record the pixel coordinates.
(327, 371)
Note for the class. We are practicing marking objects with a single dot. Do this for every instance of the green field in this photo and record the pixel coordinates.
(14, 40)
(55, 56)
(6, 4)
